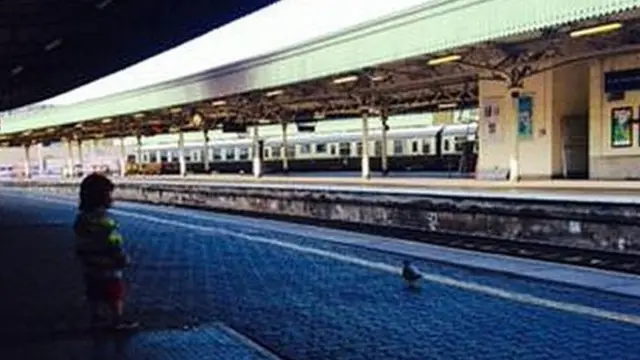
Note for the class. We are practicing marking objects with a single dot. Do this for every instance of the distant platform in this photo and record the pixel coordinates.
(597, 191)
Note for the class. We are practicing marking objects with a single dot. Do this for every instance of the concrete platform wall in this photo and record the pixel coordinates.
(604, 227)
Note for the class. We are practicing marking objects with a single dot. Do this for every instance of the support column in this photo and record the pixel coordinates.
(41, 169)
(257, 152)
(383, 146)
(366, 169)
(514, 159)
(27, 162)
(205, 152)
(123, 158)
(285, 145)
(80, 158)
(70, 167)
(139, 149)
(181, 160)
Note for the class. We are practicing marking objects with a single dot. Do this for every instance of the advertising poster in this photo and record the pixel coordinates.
(621, 128)
(525, 117)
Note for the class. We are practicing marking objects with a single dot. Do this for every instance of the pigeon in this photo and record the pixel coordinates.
(410, 274)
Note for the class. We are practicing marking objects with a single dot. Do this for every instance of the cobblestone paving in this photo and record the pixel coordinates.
(299, 305)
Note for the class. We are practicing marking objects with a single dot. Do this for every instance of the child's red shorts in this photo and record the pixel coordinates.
(107, 290)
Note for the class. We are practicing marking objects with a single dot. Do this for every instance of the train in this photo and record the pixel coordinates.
(437, 148)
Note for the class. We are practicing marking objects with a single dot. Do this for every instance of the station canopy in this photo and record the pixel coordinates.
(426, 58)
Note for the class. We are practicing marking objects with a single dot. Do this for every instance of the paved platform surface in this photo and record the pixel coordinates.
(300, 295)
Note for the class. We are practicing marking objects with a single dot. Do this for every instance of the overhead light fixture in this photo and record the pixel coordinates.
(78, 125)
(107, 120)
(175, 110)
(274, 93)
(103, 4)
(17, 70)
(377, 78)
(346, 79)
(444, 59)
(264, 121)
(138, 115)
(27, 133)
(219, 103)
(197, 119)
(447, 106)
(596, 30)
(51, 130)
(52, 45)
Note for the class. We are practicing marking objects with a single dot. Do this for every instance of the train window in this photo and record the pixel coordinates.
(174, 157)
(414, 146)
(153, 157)
(377, 148)
(187, 158)
(163, 157)
(359, 148)
(217, 154)
(426, 147)
(266, 152)
(230, 154)
(276, 151)
(145, 157)
(446, 145)
(398, 146)
(305, 148)
(332, 149)
(321, 148)
(244, 153)
(291, 151)
(345, 149)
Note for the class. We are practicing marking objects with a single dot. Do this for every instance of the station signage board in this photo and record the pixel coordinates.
(621, 81)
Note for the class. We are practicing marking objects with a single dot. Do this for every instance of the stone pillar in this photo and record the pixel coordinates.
(366, 168)
(383, 146)
(257, 152)
(285, 145)
(27, 161)
(205, 152)
(181, 160)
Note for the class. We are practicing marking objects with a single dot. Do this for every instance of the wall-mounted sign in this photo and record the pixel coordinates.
(525, 116)
(621, 128)
(491, 118)
(620, 81)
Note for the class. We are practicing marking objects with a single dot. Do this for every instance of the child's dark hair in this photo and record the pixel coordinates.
(94, 191)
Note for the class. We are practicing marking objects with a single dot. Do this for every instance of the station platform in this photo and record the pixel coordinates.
(207, 285)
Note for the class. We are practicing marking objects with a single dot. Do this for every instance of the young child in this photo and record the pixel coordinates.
(99, 249)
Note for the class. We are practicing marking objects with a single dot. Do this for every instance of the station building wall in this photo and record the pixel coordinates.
(557, 95)
(605, 160)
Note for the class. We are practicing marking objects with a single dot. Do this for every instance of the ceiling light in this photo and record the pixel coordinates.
(346, 79)
(52, 45)
(444, 59)
(103, 4)
(219, 103)
(138, 115)
(596, 30)
(447, 106)
(175, 110)
(274, 93)
(17, 70)
(107, 120)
